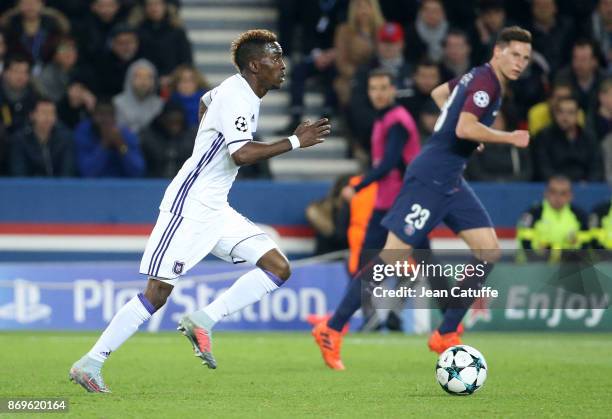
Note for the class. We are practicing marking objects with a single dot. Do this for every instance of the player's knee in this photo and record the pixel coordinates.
(491, 254)
(157, 293)
(282, 269)
(275, 263)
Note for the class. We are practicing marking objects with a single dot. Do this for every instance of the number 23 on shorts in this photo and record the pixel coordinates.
(418, 217)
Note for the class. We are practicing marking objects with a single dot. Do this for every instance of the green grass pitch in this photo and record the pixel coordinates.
(282, 375)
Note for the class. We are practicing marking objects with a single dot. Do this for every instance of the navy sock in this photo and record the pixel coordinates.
(456, 310)
(352, 298)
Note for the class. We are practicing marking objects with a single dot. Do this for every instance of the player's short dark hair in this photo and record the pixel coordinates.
(249, 45)
(382, 72)
(513, 33)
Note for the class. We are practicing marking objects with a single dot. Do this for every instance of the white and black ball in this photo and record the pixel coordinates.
(461, 370)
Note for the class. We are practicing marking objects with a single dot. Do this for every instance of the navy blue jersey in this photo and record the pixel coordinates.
(443, 158)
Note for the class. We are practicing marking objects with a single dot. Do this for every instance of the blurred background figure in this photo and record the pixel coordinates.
(360, 113)
(600, 223)
(139, 102)
(354, 44)
(77, 104)
(490, 21)
(311, 25)
(17, 93)
(456, 56)
(44, 147)
(33, 30)
(599, 122)
(565, 148)
(540, 116)
(187, 86)
(600, 30)
(163, 39)
(584, 73)
(554, 224)
(124, 50)
(104, 149)
(55, 76)
(2, 51)
(425, 38)
(94, 32)
(167, 142)
(426, 78)
(552, 33)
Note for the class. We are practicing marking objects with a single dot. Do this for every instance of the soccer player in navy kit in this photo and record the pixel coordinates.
(434, 190)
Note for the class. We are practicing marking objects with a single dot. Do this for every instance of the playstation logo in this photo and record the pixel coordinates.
(26, 307)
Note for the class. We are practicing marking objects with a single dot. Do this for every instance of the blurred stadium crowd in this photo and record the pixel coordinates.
(107, 88)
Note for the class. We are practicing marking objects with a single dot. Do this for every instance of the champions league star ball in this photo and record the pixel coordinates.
(461, 370)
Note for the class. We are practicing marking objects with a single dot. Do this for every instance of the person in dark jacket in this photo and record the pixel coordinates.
(565, 148)
(104, 149)
(111, 67)
(93, 33)
(3, 150)
(168, 142)
(17, 93)
(163, 40)
(44, 147)
(33, 30)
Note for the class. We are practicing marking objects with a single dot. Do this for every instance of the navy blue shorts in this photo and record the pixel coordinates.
(418, 209)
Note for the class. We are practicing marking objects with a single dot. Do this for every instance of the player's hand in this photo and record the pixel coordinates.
(310, 134)
(519, 138)
(347, 193)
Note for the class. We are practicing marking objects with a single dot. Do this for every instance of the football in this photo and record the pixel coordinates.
(461, 370)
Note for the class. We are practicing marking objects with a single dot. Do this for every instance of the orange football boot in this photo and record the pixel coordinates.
(439, 343)
(460, 329)
(329, 342)
(314, 319)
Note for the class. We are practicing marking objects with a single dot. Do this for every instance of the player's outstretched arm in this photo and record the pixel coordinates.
(469, 128)
(307, 133)
(440, 94)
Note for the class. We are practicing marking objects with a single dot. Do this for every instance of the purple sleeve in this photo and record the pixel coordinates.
(480, 95)
(453, 82)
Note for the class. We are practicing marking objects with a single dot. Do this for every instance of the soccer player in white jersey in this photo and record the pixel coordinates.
(195, 218)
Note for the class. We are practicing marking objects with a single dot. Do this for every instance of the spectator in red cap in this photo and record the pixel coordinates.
(354, 43)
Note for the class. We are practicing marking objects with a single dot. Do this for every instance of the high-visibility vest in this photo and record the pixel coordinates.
(361, 208)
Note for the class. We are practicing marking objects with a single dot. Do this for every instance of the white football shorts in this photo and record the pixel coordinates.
(177, 244)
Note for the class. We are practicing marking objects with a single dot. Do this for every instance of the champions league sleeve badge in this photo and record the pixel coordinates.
(241, 124)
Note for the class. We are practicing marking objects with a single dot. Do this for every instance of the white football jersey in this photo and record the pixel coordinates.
(207, 176)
